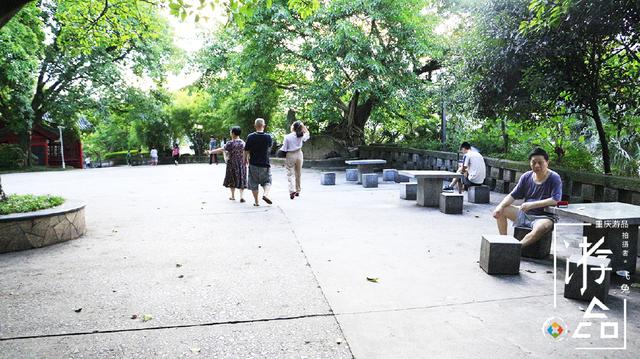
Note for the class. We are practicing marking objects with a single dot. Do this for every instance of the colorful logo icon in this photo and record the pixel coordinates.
(554, 328)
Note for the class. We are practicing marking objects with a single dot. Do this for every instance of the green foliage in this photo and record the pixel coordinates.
(11, 156)
(28, 203)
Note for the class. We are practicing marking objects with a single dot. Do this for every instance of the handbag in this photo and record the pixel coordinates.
(281, 154)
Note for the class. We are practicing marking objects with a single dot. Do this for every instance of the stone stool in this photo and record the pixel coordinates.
(538, 250)
(451, 203)
(389, 175)
(352, 174)
(478, 194)
(409, 191)
(328, 178)
(500, 254)
(601, 291)
(369, 180)
(402, 178)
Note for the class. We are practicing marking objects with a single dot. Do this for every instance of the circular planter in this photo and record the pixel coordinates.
(41, 228)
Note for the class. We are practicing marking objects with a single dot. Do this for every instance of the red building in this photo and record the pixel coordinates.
(45, 145)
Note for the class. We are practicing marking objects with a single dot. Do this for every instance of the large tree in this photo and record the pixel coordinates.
(345, 60)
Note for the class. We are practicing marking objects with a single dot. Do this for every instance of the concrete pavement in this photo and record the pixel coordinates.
(225, 279)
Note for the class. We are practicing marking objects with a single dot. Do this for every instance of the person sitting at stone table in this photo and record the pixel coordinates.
(538, 188)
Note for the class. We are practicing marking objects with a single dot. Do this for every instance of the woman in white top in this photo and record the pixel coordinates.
(293, 162)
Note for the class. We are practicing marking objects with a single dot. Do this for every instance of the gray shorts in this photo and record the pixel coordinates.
(529, 220)
(259, 176)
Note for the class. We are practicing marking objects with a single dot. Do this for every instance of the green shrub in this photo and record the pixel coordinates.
(11, 156)
(18, 203)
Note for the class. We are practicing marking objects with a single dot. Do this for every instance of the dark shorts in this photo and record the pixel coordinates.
(259, 176)
(468, 183)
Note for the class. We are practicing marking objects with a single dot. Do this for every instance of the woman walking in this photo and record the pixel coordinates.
(236, 174)
(293, 147)
(175, 152)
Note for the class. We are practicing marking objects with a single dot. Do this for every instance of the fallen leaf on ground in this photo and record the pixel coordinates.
(77, 310)
(114, 230)
(134, 316)
(147, 317)
(374, 280)
(477, 216)
(195, 350)
(181, 276)
(530, 271)
(178, 265)
(549, 271)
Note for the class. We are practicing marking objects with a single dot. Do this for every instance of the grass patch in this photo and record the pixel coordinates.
(20, 203)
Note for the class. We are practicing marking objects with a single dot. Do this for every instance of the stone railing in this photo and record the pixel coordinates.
(502, 175)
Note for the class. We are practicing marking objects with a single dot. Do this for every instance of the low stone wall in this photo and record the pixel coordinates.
(502, 175)
(42, 228)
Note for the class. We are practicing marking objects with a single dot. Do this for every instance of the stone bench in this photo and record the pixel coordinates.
(352, 174)
(601, 291)
(451, 203)
(478, 194)
(538, 250)
(500, 254)
(328, 178)
(409, 191)
(389, 175)
(369, 180)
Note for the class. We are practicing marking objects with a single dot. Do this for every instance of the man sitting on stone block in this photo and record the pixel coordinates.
(538, 188)
(472, 167)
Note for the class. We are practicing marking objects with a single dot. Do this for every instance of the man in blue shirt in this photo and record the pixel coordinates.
(538, 188)
(256, 153)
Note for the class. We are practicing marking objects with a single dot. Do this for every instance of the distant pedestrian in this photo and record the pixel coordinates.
(213, 144)
(293, 163)
(87, 162)
(236, 172)
(175, 152)
(256, 152)
(128, 157)
(154, 156)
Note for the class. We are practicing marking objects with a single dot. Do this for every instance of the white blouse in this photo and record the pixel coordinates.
(293, 143)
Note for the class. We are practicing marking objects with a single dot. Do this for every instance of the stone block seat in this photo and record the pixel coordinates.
(369, 180)
(478, 194)
(538, 250)
(408, 191)
(500, 254)
(451, 203)
(389, 175)
(572, 289)
(328, 178)
(352, 174)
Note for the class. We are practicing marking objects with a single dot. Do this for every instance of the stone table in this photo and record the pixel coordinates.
(429, 185)
(617, 222)
(365, 166)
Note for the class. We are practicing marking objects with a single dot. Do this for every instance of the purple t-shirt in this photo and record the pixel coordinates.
(530, 191)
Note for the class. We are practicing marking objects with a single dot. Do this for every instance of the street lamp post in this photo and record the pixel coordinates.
(60, 128)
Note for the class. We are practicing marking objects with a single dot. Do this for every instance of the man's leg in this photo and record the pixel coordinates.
(511, 213)
(540, 228)
(211, 158)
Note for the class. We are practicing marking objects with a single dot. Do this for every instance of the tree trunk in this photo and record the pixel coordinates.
(505, 135)
(8, 8)
(604, 143)
(3, 196)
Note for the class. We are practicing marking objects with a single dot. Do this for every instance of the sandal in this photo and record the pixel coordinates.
(264, 198)
(242, 200)
(256, 205)
(297, 194)
(231, 199)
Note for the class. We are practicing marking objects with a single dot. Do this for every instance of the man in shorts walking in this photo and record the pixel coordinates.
(256, 153)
